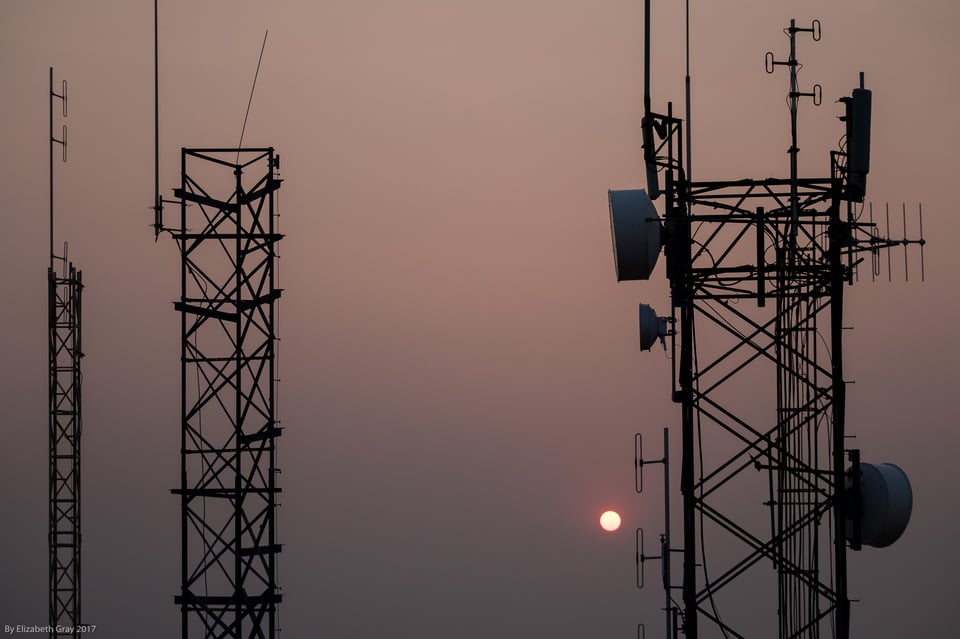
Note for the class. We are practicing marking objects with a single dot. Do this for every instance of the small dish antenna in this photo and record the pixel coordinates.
(636, 229)
(886, 501)
(652, 328)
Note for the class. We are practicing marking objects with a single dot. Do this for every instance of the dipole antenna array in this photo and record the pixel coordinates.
(229, 428)
(760, 386)
(64, 351)
(793, 100)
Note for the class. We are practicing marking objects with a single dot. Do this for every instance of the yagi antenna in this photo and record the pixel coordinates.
(878, 241)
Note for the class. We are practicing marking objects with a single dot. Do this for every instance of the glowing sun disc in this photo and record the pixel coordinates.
(610, 520)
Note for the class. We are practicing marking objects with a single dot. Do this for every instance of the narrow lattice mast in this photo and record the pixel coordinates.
(63, 295)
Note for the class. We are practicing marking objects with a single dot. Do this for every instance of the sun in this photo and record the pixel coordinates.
(610, 520)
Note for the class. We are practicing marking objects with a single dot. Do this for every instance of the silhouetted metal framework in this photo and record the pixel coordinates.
(64, 353)
(795, 343)
(757, 270)
(228, 488)
(65, 426)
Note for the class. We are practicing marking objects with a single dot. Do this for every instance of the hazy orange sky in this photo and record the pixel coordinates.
(461, 381)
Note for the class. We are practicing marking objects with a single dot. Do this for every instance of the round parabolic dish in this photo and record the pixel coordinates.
(635, 227)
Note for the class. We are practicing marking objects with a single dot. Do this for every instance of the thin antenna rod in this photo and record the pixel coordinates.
(874, 254)
(889, 262)
(666, 529)
(687, 81)
(252, 89)
(923, 272)
(51, 169)
(158, 200)
(794, 197)
(646, 59)
(906, 260)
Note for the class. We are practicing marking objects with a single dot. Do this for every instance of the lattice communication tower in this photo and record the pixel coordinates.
(64, 351)
(757, 271)
(229, 429)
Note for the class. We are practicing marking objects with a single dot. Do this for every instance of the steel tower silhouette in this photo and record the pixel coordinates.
(229, 428)
(64, 351)
(757, 271)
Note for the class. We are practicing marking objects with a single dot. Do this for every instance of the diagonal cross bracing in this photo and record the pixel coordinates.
(229, 428)
(64, 455)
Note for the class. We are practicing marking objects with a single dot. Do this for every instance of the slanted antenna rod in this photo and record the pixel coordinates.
(252, 89)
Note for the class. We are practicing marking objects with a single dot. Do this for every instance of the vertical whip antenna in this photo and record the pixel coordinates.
(646, 59)
(157, 199)
(687, 87)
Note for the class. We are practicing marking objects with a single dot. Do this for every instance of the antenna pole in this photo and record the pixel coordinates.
(665, 553)
(794, 150)
(646, 59)
(793, 101)
(687, 82)
(51, 168)
(157, 200)
(838, 414)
